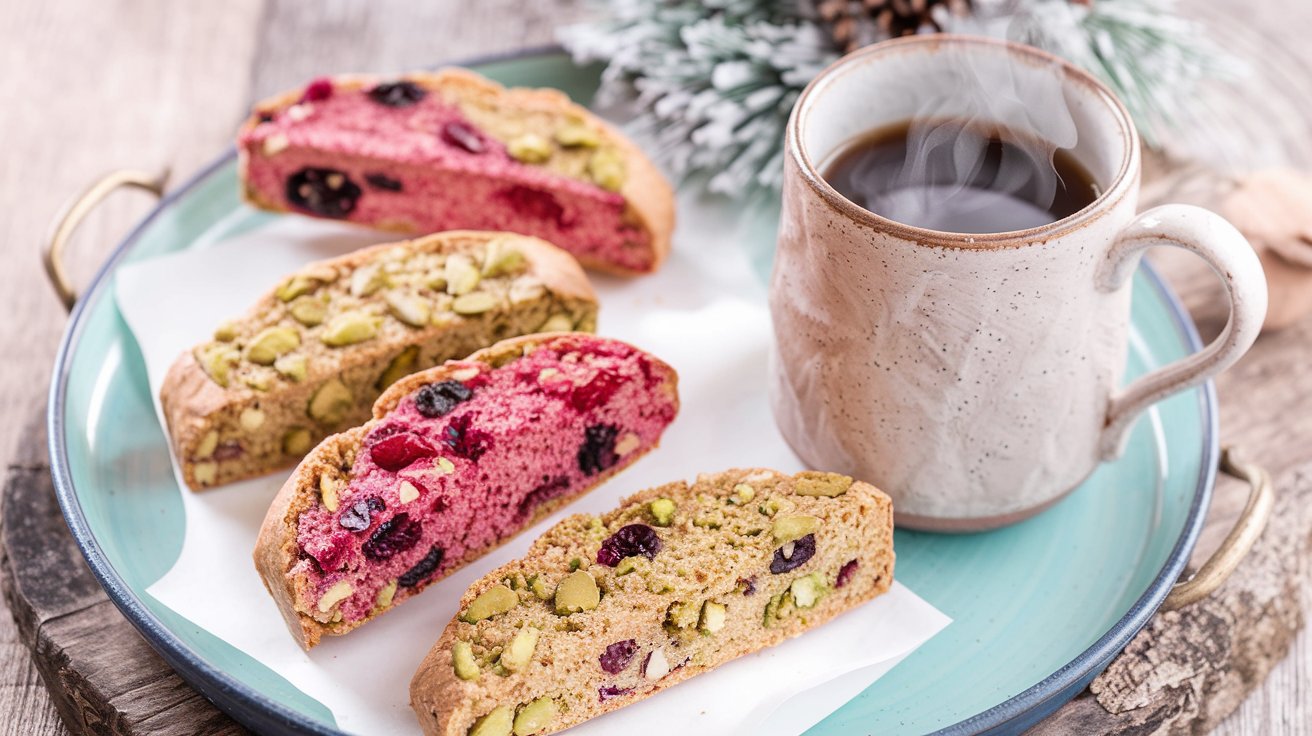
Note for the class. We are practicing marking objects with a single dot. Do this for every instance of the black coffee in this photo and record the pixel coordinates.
(958, 177)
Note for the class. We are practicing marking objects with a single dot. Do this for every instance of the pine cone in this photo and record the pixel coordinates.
(855, 23)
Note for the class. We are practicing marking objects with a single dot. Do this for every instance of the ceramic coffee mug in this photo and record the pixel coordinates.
(974, 377)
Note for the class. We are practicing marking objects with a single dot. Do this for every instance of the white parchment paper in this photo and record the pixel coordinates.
(704, 313)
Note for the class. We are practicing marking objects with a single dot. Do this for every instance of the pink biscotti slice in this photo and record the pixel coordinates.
(443, 150)
(607, 610)
(457, 460)
(311, 357)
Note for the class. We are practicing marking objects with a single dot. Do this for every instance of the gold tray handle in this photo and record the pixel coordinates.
(1247, 529)
(78, 209)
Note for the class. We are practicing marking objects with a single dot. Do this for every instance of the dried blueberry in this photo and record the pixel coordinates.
(392, 537)
(606, 692)
(422, 569)
(399, 451)
(801, 550)
(397, 94)
(464, 440)
(631, 540)
(358, 517)
(845, 573)
(534, 203)
(319, 89)
(598, 450)
(383, 181)
(463, 135)
(438, 399)
(228, 450)
(618, 655)
(324, 192)
(748, 585)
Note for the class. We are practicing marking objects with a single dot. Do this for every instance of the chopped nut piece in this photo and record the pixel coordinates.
(662, 511)
(411, 309)
(226, 332)
(682, 614)
(297, 441)
(461, 275)
(331, 403)
(530, 148)
(217, 361)
(308, 310)
(713, 615)
(790, 527)
(328, 490)
(502, 257)
(292, 366)
(367, 279)
(349, 328)
(577, 134)
(475, 303)
(539, 587)
(577, 592)
(557, 323)
(742, 493)
(251, 419)
(807, 590)
(275, 144)
(520, 650)
(407, 492)
(207, 445)
(606, 167)
(385, 595)
(535, 717)
(462, 658)
(336, 594)
(656, 666)
(497, 723)
(494, 601)
(296, 286)
(205, 473)
(628, 443)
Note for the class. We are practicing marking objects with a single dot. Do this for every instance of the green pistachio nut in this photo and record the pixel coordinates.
(331, 404)
(497, 723)
(790, 527)
(529, 148)
(713, 615)
(271, 344)
(462, 659)
(577, 592)
(476, 303)
(662, 511)
(606, 168)
(462, 276)
(293, 367)
(520, 649)
(349, 328)
(400, 367)
(812, 483)
(535, 717)
(808, 590)
(217, 360)
(577, 134)
(411, 309)
(308, 310)
(297, 441)
(492, 602)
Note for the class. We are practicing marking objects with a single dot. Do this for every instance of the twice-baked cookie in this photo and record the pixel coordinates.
(311, 357)
(607, 610)
(443, 150)
(457, 459)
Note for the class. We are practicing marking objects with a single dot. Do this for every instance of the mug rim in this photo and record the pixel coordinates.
(1121, 184)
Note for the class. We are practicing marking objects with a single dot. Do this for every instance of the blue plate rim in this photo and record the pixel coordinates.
(251, 708)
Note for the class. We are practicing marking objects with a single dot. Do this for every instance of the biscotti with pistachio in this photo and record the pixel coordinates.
(606, 610)
(457, 459)
(311, 357)
(442, 150)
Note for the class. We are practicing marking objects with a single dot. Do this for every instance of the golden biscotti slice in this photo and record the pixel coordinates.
(444, 150)
(607, 610)
(311, 357)
(457, 460)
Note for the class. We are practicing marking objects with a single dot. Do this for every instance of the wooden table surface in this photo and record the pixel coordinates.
(92, 85)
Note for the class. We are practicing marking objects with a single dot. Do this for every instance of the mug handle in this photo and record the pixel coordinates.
(1216, 241)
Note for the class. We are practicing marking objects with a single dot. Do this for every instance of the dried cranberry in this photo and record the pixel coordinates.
(463, 135)
(319, 89)
(392, 537)
(264, 116)
(383, 181)
(324, 192)
(606, 692)
(618, 655)
(400, 451)
(748, 585)
(360, 515)
(397, 94)
(534, 203)
(464, 440)
(422, 569)
(550, 488)
(631, 540)
(438, 399)
(331, 557)
(382, 433)
(229, 450)
(803, 550)
(598, 450)
(596, 392)
(845, 573)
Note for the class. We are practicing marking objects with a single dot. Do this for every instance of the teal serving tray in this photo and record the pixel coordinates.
(1039, 608)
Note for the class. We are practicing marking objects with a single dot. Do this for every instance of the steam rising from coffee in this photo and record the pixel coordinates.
(979, 155)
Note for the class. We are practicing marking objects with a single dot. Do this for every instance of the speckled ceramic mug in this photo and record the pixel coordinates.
(973, 377)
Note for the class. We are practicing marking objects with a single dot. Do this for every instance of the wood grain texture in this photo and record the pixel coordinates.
(145, 83)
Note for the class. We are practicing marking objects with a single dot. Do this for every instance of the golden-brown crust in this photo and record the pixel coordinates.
(276, 547)
(440, 698)
(648, 194)
(190, 399)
